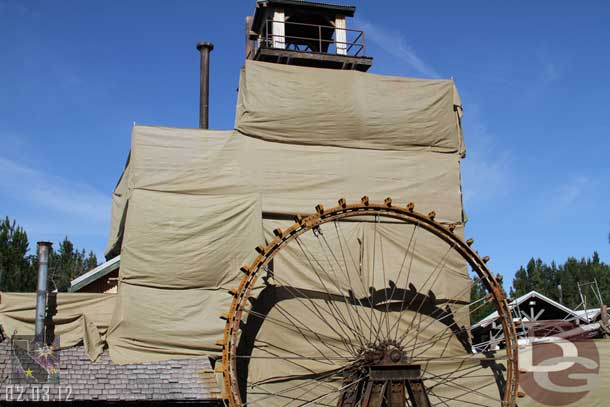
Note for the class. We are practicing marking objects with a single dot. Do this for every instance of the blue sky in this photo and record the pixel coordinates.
(533, 76)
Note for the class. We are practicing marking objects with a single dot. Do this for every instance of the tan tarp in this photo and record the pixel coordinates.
(117, 214)
(152, 324)
(196, 241)
(77, 318)
(385, 247)
(288, 178)
(192, 205)
(328, 107)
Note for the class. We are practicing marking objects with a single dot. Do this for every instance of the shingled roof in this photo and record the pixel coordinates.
(161, 383)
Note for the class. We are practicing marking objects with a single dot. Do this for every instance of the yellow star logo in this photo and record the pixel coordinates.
(28, 372)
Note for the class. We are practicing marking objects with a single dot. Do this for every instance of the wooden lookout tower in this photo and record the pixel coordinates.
(305, 33)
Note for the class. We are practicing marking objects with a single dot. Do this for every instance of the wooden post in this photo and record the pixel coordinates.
(249, 41)
(340, 35)
(278, 30)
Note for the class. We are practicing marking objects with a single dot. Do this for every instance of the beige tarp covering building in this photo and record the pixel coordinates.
(194, 212)
(77, 317)
(351, 109)
(192, 204)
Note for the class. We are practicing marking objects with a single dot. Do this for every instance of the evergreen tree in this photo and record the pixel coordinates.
(546, 279)
(16, 270)
(520, 283)
(483, 308)
(90, 261)
(67, 263)
(19, 271)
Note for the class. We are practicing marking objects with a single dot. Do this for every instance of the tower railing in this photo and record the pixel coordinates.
(318, 38)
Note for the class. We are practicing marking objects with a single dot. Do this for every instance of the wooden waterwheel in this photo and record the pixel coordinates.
(365, 305)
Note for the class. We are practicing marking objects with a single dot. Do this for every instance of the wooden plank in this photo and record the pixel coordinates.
(340, 35)
(279, 29)
(249, 40)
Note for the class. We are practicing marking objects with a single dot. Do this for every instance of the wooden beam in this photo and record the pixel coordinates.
(249, 40)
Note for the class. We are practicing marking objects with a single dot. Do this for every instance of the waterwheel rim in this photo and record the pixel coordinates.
(346, 320)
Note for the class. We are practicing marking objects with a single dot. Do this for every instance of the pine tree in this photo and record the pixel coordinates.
(16, 270)
(67, 263)
(546, 278)
(90, 262)
(483, 308)
(520, 283)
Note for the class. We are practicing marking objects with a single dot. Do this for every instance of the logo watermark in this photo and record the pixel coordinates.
(32, 362)
(35, 372)
(558, 371)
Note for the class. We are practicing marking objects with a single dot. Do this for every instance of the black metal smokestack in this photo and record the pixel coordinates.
(41, 292)
(204, 82)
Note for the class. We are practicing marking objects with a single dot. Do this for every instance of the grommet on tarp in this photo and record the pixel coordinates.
(342, 202)
(260, 249)
(278, 232)
(410, 206)
(432, 215)
(452, 227)
(320, 209)
(388, 202)
(245, 269)
(469, 242)
(298, 219)
(365, 200)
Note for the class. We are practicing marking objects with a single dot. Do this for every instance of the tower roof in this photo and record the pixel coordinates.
(330, 8)
(344, 9)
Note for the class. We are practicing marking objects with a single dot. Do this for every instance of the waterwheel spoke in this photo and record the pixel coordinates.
(325, 246)
(377, 341)
(323, 380)
(468, 391)
(299, 295)
(371, 315)
(331, 304)
(412, 239)
(325, 340)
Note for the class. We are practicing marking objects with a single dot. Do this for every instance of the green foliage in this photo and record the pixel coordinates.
(546, 278)
(16, 270)
(66, 263)
(482, 308)
(19, 271)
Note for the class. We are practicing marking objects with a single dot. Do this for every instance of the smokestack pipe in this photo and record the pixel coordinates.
(41, 292)
(204, 82)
